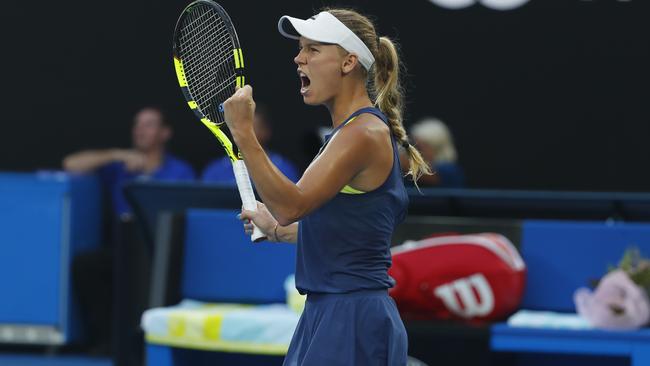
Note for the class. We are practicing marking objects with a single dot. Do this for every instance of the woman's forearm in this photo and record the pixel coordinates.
(344, 158)
(89, 160)
(280, 195)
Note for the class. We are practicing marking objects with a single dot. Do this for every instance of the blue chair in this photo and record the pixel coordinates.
(561, 257)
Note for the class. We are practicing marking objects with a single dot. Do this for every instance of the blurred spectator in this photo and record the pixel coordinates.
(146, 160)
(220, 170)
(433, 139)
(92, 271)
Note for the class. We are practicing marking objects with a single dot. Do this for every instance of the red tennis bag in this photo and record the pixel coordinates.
(475, 278)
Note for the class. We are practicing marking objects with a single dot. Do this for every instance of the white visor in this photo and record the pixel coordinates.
(325, 27)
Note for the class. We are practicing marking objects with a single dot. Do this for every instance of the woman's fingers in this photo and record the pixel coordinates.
(246, 215)
(262, 218)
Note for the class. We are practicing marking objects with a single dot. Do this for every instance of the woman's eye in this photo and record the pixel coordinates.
(312, 49)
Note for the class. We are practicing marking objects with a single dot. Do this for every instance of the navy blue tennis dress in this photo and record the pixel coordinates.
(342, 263)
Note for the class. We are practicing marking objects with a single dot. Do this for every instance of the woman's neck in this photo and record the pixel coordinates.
(349, 100)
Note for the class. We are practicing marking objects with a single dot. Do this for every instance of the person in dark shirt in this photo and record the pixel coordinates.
(220, 170)
(147, 159)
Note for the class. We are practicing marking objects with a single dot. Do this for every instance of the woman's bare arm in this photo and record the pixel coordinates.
(349, 153)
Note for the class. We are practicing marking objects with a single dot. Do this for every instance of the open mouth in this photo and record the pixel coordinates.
(304, 82)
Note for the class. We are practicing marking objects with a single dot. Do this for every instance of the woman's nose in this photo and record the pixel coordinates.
(299, 59)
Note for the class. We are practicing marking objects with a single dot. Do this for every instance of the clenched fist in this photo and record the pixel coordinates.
(239, 111)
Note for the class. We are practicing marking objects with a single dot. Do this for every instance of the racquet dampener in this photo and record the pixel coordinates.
(209, 66)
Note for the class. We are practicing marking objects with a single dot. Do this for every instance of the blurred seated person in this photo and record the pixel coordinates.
(220, 170)
(92, 271)
(145, 160)
(433, 139)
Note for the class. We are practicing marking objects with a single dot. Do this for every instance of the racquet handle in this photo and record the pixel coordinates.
(247, 195)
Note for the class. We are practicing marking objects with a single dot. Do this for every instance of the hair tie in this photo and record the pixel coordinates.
(405, 144)
(378, 40)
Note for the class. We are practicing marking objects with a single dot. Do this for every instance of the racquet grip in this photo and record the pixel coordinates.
(247, 195)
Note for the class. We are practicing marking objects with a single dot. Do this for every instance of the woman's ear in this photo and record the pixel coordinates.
(350, 61)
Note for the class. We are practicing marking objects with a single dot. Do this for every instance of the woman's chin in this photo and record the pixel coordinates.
(310, 102)
(309, 99)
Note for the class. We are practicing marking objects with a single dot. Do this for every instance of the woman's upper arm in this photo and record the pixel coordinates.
(347, 154)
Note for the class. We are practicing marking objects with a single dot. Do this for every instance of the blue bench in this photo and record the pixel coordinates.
(561, 257)
(222, 265)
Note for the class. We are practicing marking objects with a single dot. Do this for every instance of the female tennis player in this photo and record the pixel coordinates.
(343, 210)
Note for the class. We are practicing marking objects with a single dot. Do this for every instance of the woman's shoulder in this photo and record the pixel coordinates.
(368, 126)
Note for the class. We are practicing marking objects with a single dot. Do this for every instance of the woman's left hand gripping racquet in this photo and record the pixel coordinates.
(209, 66)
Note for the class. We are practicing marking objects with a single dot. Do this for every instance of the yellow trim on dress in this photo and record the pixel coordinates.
(347, 189)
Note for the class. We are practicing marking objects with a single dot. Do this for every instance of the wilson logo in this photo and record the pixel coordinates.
(467, 297)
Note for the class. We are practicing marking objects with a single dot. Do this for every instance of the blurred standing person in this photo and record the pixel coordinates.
(345, 207)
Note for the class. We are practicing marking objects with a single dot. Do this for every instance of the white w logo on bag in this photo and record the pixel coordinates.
(464, 289)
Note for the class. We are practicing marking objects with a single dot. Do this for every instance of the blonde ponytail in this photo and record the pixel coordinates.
(384, 83)
(389, 99)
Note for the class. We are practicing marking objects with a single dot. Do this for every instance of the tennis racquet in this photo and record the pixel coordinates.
(209, 65)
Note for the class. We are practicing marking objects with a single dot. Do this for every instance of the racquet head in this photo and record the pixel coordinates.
(208, 62)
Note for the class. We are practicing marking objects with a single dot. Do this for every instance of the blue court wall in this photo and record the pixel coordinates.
(45, 218)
